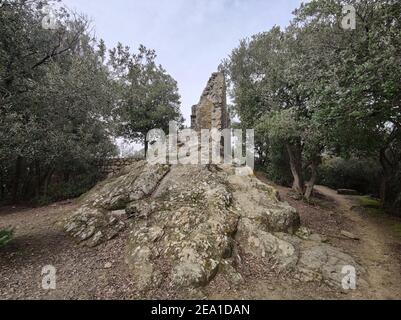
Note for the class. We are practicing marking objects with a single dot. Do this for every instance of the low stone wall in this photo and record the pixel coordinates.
(113, 166)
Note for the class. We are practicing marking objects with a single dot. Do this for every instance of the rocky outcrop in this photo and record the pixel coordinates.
(188, 223)
(103, 210)
(190, 228)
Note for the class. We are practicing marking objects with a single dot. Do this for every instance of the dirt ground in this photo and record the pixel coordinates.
(101, 273)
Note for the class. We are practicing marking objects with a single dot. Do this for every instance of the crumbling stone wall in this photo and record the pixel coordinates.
(211, 112)
(111, 167)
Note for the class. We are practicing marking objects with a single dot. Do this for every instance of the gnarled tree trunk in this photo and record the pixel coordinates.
(295, 155)
(385, 175)
(17, 177)
(311, 183)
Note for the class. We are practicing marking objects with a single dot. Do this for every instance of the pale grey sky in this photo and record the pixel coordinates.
(190, 37)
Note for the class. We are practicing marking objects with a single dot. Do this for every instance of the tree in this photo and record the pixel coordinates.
(147, 96)
(55, 102)
(300, 140)
(342, 86)
(269, 94)
(357, 88)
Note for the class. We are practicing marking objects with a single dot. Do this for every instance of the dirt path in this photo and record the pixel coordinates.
(82, 272)
(376, 249)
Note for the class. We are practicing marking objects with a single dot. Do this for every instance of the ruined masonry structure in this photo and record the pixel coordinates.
(211, 112)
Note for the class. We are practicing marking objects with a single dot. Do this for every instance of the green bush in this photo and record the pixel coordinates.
(277, 167)
(5, 237)
(362, 175)
(71, 189)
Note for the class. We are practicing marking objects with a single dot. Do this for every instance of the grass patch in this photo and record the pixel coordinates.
(371, 205)
(397, 229)
(369, 202)
(5, 236)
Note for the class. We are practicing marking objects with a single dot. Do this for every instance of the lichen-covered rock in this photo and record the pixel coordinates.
(325, 263)
(265, 245)
(191, 227)
(260, 203)
(103, 211)
(318, 261)
(139, 183)
(93, 226)
(187, 223)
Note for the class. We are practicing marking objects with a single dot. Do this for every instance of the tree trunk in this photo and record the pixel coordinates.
(38, 179)
(385, 176)
(383, 190)
(16, 182)
(146, 147)
(48, 181)
(2, 191)
(66, 176)
(26, 188)
(295, 155)
(312, 181)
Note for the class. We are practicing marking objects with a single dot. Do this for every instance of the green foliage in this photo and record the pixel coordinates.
(316, 87)
(77, 184)
(397, 229)
(269, 94)
(55, 100)
(277, 167)
(5, 237)
(356, 84)
(394, 193)
(273, 158)
(353, 75)
(147, 96)
(369, 202)
(362, 175)
(62, 105)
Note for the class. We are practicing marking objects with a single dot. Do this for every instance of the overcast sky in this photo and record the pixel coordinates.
(190, 37)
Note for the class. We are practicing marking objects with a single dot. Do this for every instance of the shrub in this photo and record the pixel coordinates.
(277, 167)
(362, 175)
(71, 189)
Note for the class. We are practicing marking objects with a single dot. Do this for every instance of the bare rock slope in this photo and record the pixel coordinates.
(187, 223)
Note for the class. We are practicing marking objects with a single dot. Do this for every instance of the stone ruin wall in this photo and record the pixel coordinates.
(111, 167)
(211, 112)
